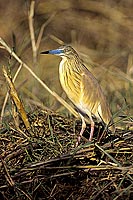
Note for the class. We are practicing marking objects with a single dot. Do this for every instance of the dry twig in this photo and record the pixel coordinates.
(16, 100)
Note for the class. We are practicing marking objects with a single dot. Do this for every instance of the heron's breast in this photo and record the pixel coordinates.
(70, 81)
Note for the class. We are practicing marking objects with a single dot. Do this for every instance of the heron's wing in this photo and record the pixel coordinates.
(93, 97)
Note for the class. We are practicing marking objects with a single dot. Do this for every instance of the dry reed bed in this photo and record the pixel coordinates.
(48, 166)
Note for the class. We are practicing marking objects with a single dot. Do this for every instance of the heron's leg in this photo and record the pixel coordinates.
(82, 130)
(92, 129)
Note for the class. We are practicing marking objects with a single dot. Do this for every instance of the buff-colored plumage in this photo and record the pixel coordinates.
(82, 88)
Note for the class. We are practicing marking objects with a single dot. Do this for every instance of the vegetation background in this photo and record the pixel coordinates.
(41, 162)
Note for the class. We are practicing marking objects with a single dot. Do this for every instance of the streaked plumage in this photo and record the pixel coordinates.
(82, 88)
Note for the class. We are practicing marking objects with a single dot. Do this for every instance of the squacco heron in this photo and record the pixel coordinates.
(82, 88)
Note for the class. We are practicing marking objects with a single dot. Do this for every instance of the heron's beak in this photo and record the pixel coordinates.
(54, 52)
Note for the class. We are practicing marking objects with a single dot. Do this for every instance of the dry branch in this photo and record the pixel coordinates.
(16, 100)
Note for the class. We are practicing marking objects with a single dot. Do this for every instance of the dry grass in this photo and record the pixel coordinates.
(49, 167)
(46, 165)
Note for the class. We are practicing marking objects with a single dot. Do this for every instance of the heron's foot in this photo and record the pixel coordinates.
(78, 140)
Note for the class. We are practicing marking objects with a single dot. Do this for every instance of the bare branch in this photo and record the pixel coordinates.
(32, 32)
(7, 94)
(42, 29)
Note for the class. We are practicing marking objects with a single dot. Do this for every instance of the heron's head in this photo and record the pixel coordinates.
(63, 51)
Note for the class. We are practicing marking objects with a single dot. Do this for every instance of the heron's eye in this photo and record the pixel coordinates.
(67, 51)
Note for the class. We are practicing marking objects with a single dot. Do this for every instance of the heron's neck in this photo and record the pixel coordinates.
(69, 63)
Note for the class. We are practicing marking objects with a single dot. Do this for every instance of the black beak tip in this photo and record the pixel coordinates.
(44, 52)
